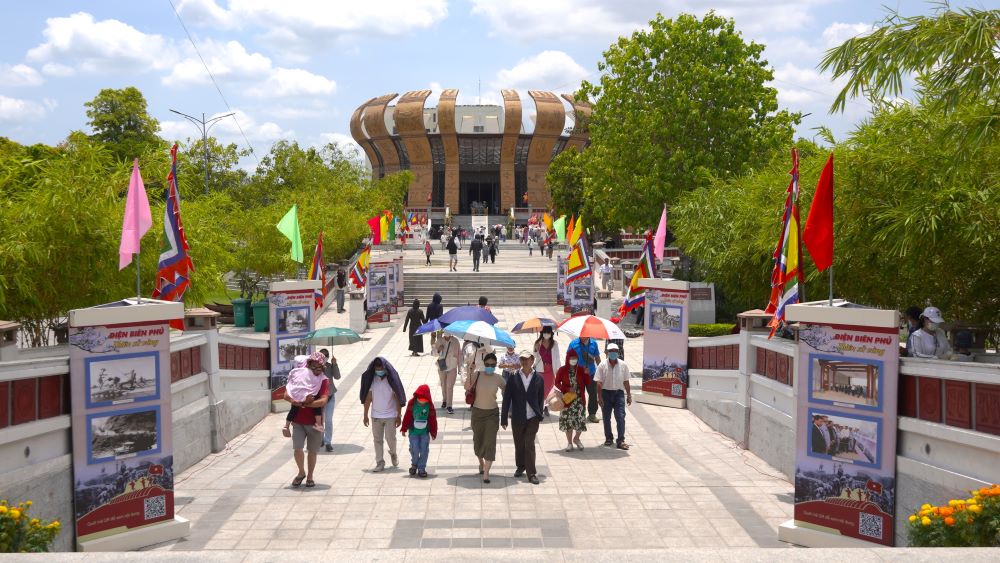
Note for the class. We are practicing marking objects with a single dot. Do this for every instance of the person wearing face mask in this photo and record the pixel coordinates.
(383, 396)
(588, 352)
(485, 415)
(573, 378)
(509, 361)
(930, 341)
(448, 351)
(613, 393)
(547, 360)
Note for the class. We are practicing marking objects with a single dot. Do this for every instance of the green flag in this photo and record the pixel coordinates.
(560, 227)
(289, 226)
(392, 230)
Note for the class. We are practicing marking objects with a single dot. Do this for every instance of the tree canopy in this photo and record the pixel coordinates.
(121, 122)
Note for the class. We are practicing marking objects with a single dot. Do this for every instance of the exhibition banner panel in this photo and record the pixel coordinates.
(400, 298)
(665, 340)
(845, 459)
(580, 297)
(378, 309)
(121, 417)
(291, 310)
(560, 280)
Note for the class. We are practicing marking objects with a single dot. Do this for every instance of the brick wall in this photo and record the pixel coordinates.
(962, 404)
(714, 357)
(243, 358)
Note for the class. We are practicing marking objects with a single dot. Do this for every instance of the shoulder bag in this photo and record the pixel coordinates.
(443, 361)
(470, 394)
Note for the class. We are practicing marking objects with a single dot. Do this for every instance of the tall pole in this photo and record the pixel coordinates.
(203, 126)
(831, 285)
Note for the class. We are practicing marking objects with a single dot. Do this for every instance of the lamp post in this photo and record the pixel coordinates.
(203, 126)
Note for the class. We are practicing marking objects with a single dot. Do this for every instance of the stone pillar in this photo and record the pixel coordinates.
(604, 303)
(358, 315)
(8, 340)
(206, 321)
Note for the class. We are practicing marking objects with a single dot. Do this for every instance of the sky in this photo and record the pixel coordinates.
(297, 69)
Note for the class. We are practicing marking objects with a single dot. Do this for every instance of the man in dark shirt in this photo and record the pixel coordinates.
(476, 250)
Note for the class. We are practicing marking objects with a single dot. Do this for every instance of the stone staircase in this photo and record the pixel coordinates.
(465, 288)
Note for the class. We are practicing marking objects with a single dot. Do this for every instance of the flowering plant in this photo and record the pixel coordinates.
(972, 522)
(20, 533)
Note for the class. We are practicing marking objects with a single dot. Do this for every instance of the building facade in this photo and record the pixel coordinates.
(470, 157)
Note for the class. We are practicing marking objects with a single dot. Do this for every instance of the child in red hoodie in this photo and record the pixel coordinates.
(421, 421)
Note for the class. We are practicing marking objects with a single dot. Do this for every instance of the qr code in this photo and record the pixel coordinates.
(870, 525)
(676, 389)
(154, 507)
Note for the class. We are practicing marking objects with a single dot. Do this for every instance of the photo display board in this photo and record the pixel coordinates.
(291, 310)
(845, 459)
(121, 419)
(379, 307)
(665, 340)
(579, 297)
(561, 280)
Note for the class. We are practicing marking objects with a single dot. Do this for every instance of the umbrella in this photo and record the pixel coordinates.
(331, 336)
(479, 331)
(432, 326)
(535, 324)
(467, 313)
(590, 326)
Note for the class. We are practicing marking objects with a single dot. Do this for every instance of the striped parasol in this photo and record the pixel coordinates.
(535, 324)
(590, 326)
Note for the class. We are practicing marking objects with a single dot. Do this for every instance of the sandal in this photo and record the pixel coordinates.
(298, 480)
(310, 483)
(622, 446)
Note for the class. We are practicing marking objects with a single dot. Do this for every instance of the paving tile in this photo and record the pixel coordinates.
(435, 543)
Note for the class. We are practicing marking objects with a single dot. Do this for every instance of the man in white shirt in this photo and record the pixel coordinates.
(522, 402)
(381, 401)
(613, 393)
(606, 274)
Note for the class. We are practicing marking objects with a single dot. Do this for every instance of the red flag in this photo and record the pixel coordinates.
(155, 469)
(375, 225)
(818, 232)
(873, 486)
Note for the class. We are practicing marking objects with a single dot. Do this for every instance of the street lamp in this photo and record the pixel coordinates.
(203, 126)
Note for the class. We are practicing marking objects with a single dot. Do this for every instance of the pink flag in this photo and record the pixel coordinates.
(660, 239)
(138, 218)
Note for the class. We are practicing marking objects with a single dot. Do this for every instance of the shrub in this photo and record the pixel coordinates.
(972, 522)
(20, 533)
(719, 329)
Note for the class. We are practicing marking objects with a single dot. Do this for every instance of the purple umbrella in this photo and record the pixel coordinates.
(467, 313)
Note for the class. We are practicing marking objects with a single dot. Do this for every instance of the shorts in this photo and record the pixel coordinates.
(303, 435)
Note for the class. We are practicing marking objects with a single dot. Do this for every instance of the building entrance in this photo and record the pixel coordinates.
(479, 192)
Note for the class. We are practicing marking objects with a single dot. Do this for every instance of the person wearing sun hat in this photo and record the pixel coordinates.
(930, 341)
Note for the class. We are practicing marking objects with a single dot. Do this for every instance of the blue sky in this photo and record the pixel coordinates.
(296, 69)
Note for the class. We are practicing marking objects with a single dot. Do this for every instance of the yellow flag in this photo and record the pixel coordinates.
(383, 224)
(547, 219)
(577, 231)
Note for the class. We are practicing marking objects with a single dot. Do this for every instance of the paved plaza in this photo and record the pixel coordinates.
(681, 485)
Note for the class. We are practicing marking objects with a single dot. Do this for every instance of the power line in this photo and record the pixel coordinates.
(214, 82)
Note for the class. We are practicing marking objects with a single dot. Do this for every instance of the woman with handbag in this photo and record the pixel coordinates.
(448, 350)
(547, 360)
(481, 389)
(572, 381)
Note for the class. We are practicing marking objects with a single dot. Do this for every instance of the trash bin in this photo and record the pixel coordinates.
(241, 312)
(260, 316)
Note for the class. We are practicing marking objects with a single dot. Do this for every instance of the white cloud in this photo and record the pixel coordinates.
(548, 70)
(797, 86)
(58, 70)
(531, 19)
(227, 130)
(18, 110)
(231, 62)
(301, 25)
(837, 32)
(91, 46)
(19, 75)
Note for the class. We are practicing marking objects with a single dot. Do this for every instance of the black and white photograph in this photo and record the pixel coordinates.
(292, 320)
(834, 380)
(837, 436)
(123, 434)
(378, 296)
(665, 318)
(581, 293)
(288, 348)
(817, 479)
(377, 278)
(123, 378)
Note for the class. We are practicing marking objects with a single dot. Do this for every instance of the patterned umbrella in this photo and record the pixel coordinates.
(590, 326)
(535, 324)
(467, 313)
(479, 331)
(432, 326)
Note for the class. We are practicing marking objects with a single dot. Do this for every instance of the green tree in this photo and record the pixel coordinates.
(224, 169)
(953, 53)
(120, 120)
(564, 179)
(677, 105)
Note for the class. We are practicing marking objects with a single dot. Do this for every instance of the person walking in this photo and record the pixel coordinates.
(304, 431)
(550, 246)
(606, 274)
(522, 407)
(485, 415)
(530, 243)
(548, 360)
(421, 421)
(383, 396)
(340, 288)
(492, 250)
(449, 353)
(434, 310)
(332, 371)
(589, 355)
(614, 393)
(572, 380)
(476, 250)
(415, 318)
(452, 254)
(428, 250)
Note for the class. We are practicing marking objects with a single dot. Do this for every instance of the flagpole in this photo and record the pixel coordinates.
(831, 285)
(138, 291)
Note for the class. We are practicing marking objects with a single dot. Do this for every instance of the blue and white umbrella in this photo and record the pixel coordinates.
(479, 331)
